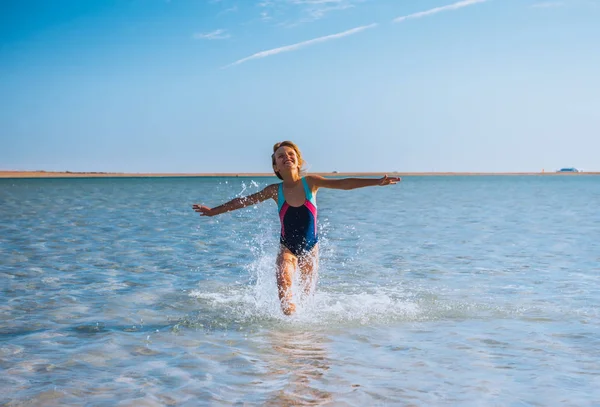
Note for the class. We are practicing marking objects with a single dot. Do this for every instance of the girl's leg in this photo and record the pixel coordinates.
(309, 266)
(286, 265)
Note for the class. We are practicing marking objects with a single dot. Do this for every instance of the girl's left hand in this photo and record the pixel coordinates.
(387, 180)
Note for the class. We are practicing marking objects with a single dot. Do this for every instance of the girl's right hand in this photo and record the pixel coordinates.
(203, 210)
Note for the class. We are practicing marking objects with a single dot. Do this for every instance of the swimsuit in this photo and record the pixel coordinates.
(298, 223)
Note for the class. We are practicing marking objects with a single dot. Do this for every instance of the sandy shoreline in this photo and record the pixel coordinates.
(52, 174)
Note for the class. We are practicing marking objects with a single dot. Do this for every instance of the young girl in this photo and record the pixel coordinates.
(297, 204)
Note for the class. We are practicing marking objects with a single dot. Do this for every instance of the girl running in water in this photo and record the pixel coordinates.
(297, 207)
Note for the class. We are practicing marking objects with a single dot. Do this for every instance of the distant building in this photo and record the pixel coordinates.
(570, 169)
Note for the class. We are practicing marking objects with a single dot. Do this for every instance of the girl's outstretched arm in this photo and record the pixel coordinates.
(238, 203)
(350, 183)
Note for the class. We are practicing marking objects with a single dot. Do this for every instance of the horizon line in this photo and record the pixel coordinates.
(8, 174)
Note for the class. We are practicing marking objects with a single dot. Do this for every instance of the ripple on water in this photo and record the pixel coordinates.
(473, 291)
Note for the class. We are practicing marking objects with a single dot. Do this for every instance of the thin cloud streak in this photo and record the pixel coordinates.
(294, 47)
(454, 6)
(219, 34)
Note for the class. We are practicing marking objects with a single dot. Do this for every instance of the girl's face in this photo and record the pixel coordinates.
(286, 159)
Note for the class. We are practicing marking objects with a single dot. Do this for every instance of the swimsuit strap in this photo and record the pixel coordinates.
(308, 192)
(280, 198)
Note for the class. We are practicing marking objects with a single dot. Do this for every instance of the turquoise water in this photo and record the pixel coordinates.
(439, 291)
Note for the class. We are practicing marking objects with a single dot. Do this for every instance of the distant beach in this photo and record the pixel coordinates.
(77, 174)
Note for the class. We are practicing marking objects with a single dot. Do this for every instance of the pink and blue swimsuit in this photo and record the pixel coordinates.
(298, 223)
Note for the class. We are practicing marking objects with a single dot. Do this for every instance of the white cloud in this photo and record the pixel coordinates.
(319, 12)
(455, 6)
(291, 13)
(219, 34)
(233, 9)
(294, 47)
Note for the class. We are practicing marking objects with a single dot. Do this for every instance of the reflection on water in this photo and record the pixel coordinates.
(301, 358)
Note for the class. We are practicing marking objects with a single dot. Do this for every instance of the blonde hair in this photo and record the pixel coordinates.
(293, 146)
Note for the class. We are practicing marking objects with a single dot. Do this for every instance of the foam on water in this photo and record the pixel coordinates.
(351, 303)
(321, 309)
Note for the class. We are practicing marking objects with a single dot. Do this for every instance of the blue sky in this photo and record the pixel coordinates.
(360, 85)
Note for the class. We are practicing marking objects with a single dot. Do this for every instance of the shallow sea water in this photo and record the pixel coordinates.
(438, 291)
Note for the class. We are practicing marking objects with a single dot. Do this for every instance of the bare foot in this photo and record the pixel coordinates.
(288, 308)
